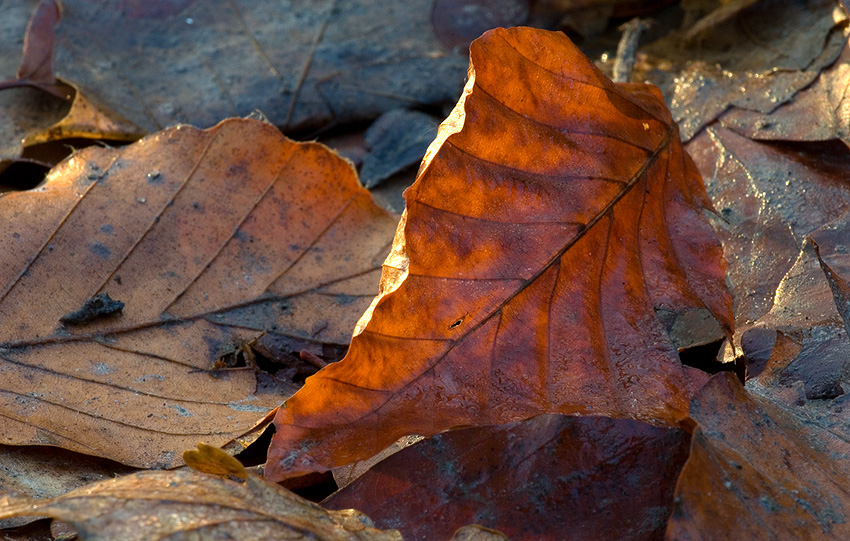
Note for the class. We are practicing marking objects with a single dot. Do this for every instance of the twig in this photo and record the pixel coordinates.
(626, 49)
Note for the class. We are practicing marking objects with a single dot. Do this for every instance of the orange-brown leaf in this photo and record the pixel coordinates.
(555, 211)
(208, 238)
(760, 470)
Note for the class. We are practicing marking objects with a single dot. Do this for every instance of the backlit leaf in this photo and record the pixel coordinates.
(553, 214)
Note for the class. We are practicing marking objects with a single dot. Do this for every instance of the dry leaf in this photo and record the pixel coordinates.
(306, 65)
(43, 472)
(189, 505)
(550, 477)
(745, 64)
(204, 240)
(30, 118)
(757, 471)
(553, 214)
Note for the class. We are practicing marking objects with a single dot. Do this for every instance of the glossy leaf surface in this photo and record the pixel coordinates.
(552, 215)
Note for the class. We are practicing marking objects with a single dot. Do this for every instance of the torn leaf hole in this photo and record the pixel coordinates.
(456, 323)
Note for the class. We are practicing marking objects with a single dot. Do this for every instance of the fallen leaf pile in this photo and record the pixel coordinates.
(512, 357)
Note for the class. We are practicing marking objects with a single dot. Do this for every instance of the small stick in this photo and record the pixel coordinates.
(315, 360)
(626, 49)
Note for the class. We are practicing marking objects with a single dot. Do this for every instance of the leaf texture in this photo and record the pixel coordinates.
(552, 215)
(205, 238)
(190, 505)
(759, 469)
(550, 477)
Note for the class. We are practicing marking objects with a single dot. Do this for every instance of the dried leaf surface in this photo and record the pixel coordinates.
(554, 212)
(28, 117)
(190, 505)
(771, 196)
(202, 239)
(745, 64)
(306, 65)
(550, 477)
(42, 472)
(758, 471)
(820, 112)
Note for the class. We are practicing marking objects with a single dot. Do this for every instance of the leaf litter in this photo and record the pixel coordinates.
(806, 290)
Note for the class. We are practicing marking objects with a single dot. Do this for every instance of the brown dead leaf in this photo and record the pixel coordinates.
(758, 471)
(820, 112)
(30, 118)
(770, 196)
(745, 64)
(209, 239)
(306, 65)
(46, 472)
(554, 212)
(190, 505)
(550, 477)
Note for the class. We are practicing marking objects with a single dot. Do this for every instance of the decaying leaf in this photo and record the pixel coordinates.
(552, 215)
(190, 505)
(550, 477)
(45, 472)
(208, 238)
(820, 112)
(757, 471)
(744, 64)
(306, 65)
(27, 120)
(771, 196)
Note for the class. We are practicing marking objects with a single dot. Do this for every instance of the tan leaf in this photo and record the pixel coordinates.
(126, 278)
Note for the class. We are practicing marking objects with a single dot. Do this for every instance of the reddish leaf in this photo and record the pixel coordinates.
(555, 211)
(757, 471)
(37, 64)
(36, 67)
(550, 477)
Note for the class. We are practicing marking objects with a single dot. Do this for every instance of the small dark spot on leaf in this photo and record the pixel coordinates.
(100, 250)
(456, 323)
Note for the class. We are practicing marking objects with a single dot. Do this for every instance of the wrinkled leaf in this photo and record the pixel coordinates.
(550, 477)
(757, 471)
(189, 505)
(818, 113)
(30, 118)
(757, 69)
(550, 218)
(306, 65)
(43, 472)
(212, 240)
(770, 197)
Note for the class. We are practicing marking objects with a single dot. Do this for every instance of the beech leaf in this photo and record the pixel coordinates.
(134, 276)
(552, 215)
(190, 505)
(759, 470)
(548, 477)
